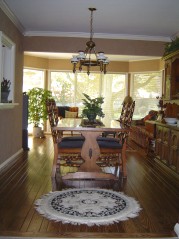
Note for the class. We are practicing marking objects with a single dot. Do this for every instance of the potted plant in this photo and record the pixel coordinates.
(92, 107)
(5, 89)
(37, 112)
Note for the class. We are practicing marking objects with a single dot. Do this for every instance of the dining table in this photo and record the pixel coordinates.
(90, 151)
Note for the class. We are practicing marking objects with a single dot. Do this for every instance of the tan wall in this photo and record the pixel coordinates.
(35, 62)
(11, 119)
(114, 66)
(147, 65)
(54, 64)
(109, 46)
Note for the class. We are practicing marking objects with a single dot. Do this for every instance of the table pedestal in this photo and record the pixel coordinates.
(90, 153)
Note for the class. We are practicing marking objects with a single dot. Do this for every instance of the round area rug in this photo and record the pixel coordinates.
(88, 206)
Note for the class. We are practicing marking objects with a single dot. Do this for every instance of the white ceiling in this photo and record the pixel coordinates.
(117, 19)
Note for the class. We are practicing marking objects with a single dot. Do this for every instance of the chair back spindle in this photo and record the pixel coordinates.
(127, 113)
(52, 111)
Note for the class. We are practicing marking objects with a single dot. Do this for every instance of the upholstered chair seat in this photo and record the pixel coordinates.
(71, 143)
(112, 143)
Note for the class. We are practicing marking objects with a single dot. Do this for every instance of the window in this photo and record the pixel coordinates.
(62, 85)
(144, 90)
(114, 88)
(7, 64)
(89, 85)
(68, 88)
(32, 78)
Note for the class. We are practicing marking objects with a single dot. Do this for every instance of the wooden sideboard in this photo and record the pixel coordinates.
(167, 145)
(166, 148)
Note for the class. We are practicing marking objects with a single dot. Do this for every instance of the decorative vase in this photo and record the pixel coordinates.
(37, 132)
(91, 116)
(4, 96)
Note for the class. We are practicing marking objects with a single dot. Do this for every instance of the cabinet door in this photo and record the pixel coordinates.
(174, 151)
(175, 79)
(167, 80)
(158, 143)
(165, 145)
(171, 81)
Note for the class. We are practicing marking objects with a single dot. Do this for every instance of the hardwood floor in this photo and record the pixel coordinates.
(156, 190)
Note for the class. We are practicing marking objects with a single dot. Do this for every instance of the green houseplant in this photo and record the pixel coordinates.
(37, 112)
(171, 47)
(5, 89)
(92, 107)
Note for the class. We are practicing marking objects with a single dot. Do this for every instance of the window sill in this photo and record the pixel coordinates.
(8, 105)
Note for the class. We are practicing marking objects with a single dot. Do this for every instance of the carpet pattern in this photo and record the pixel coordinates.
(88, 206)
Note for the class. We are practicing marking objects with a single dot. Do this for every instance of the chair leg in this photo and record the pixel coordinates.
(118, 167)
(54, 168)
(123, 160)
(116, 170)
(54, 184)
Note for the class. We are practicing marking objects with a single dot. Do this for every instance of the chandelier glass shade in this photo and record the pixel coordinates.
(84, 58)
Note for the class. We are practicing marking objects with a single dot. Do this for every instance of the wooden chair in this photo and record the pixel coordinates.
(67, 150)
(113, 149)
(113, 153)
(125, 117)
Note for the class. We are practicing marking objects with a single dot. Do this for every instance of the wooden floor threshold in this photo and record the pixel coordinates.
(85, 235)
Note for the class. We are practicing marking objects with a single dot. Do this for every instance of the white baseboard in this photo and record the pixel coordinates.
(10, 160)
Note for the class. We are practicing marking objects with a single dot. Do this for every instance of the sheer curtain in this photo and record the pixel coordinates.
(145, 88)
(114, 89)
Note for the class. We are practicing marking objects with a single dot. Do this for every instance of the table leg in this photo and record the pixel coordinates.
(90, 152)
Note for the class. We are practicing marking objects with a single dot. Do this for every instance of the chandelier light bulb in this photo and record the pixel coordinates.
(101, 56)
(81, 55)
(74, 59)
(106, 62)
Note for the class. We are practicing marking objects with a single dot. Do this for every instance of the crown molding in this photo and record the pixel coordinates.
(11, 16)
(97, 35)
(17, 23)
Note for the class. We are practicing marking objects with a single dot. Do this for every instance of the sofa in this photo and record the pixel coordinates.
(67, 112)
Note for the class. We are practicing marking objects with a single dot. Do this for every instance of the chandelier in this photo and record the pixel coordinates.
(84, 58)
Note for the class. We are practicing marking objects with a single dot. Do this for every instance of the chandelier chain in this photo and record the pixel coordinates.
(91, 26)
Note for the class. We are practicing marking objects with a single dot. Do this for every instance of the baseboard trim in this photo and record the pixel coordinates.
(8, 162)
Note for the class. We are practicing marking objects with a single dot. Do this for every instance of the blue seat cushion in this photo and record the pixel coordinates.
(77, 142)
(112, 143)
(107, 139)
(73, 138)
(70, 144)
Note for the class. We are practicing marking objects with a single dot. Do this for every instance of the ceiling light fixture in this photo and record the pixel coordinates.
(85, 57)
